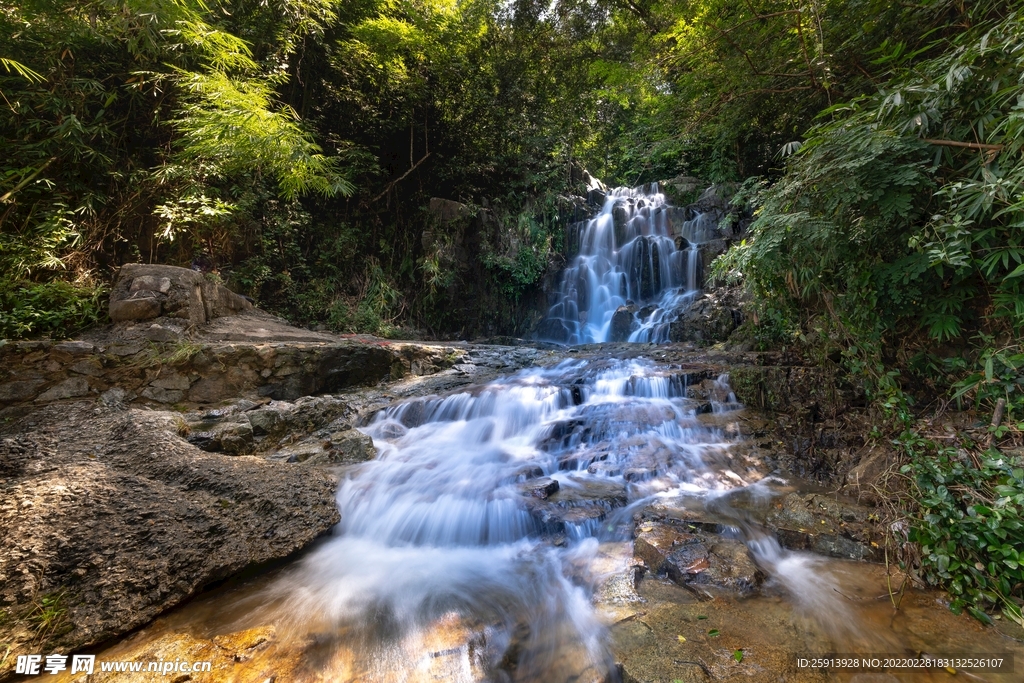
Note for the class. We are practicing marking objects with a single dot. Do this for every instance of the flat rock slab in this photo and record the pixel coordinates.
(696, 558)
(111, 518)
(827, 526)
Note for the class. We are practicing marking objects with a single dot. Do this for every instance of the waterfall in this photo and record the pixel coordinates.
(486, 507)
(638, 264)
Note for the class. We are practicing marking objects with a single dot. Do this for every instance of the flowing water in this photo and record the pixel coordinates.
(447, 521)
(480, 544)
(639, 253)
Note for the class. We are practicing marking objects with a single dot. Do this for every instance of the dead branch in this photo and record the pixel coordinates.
(400, 178)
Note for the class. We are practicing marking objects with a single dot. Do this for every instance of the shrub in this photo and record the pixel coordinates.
(54, 309)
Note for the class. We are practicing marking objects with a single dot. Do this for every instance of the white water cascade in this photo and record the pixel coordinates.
(638, 256)
(456, 520)
(491, 541)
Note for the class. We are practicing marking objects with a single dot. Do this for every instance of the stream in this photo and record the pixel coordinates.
(492, 540)
(598, 520)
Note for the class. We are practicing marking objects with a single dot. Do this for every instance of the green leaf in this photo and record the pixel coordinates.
(714, 633)
(979, 615)
(738, 655)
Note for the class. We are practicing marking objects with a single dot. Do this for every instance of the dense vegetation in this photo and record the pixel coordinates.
(294, 147)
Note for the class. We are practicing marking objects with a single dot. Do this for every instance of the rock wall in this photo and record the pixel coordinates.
(201, 373)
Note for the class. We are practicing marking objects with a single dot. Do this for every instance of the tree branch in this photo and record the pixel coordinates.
(26, 181)
(400, 178)
(965, 145)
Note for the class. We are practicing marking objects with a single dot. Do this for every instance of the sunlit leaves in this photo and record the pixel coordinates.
(234, 125)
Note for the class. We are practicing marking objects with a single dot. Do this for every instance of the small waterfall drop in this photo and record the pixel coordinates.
(638, 263)
(455, 522)
(550, 526)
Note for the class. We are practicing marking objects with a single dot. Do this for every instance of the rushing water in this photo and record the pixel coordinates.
(458, 560)
(446, 522)
(629, 257)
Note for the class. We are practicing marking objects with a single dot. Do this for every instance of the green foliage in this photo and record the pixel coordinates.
(119, 114)
(55, 309)
(48, 616)
(898, 220)
(1000, 375)
(970, 524)
(229, 127)
(520, 246)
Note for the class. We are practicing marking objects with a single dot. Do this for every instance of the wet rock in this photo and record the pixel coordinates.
(655, 542)
(346, 447)
(229, 655)
(711, 318)
(308, 449)
(605, 468)
(826, 526)
(69, 388)
(696, 558)
(622, 324)
(710, 250)
(266, 421)
(539, 488)
(729, 566)
(716, 197)
(232, 437)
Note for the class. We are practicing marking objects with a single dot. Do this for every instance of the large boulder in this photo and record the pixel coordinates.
(145, 291)
(109, 517)
(709, 319)
(447, 210)
(622, 324)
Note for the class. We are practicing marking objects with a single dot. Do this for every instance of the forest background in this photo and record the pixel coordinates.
(291, 148)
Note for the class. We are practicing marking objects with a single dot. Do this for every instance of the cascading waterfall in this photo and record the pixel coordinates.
(476, 548)
(448, 520)
(638, 256)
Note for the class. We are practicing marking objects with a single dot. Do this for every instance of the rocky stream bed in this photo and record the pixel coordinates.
(507, 513)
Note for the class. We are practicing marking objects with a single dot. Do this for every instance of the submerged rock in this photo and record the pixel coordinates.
(696, 557)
